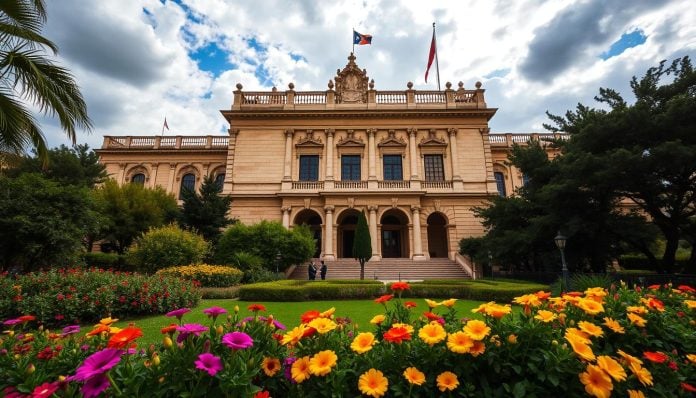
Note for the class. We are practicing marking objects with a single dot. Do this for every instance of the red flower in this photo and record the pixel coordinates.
(431, 316)
(400, 286)
(657, 357)
(384, 298)
(397, 334)
(688, 387)
(308, 332)
(169, 329)
(27, 318)
(410, 304)
(256, 307)
(686, 288)
(262, 394)
(673, 365)
(309, 316)
(45, 390)
(654, 287)
(542, 295)
(123, 338)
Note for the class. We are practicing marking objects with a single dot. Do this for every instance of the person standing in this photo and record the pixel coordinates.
(312, 271)
(323, 270)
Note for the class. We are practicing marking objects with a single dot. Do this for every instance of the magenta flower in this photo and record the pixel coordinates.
(262, 318)
(72, 329)
(97, 364)
(214, 312)
(45, 390)
(287, 364)
(178, 313)
(237, 340)
(95, 386)
(209, 363)
(11, 322)
(188, 329)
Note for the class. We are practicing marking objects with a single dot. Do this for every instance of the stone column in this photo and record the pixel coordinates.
(453, 153)
(373, 232)
(153, 175)
(287, 170)
(328, 238)
(412, 150)
(170, 185)
(121, 173)
(286, 216)
(329, 154)
(417, 240)
(372, 173)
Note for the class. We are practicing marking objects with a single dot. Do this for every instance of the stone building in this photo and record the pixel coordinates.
(416, 162)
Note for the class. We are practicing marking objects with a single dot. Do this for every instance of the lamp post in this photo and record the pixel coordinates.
(560, 244)
(277, 261)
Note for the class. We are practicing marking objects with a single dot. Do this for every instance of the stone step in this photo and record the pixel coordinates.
(388, 269)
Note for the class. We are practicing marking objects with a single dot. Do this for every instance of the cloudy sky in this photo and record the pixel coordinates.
(138, 61)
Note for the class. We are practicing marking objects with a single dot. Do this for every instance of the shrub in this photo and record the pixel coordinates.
(206, 275)
(296, 290)
(105, 260)
(258, 274)
(166, 247)
(482, 289)
(213, 293)
(245, 260)
(76, 295)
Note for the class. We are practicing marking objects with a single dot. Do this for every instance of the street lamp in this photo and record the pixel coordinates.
(277, 261)
(560, 244)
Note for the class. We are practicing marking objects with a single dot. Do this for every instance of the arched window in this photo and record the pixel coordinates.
(220, 180)
(138, 179)
(500, 183)
(188, 181)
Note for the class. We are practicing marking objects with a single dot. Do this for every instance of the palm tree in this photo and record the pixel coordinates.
(29, 78)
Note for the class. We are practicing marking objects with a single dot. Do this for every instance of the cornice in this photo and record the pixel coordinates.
(357, 113)
(114, 151)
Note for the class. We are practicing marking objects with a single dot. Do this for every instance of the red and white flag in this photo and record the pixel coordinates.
(431, 55)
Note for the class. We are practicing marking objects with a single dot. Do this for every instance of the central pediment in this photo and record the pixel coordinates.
(351, 83)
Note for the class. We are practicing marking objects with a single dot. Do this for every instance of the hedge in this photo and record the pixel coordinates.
(296, 290)
(482, 289)
(207, 275)
(105, 260)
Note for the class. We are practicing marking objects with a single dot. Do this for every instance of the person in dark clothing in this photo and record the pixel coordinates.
(323, 270)
(312, 271)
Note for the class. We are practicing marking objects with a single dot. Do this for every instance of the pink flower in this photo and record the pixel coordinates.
(178, 313)
(68, 330)
(209, 363)
(45, 390)
(97, 364)
(190, 328)
(95, 386)
(237, 340)
(214, 312)
(11, 322)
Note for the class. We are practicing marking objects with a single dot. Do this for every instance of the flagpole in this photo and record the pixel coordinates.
(352, 39)
(437, 64)
(164, 124)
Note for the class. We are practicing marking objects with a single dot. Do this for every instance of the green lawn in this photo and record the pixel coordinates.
(359, 311)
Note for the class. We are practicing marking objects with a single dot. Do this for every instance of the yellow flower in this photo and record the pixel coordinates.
(528, 300)
(300, 370)
(322, 325)
(545, 316)
(595, 292)
(293, 336)
(328, 313)
(630, 359)
(377, 319)
(611, 367)
(643, 375)
(614, 325)
(363, 342)
(414, 376)
(270, 366)
(432, 333)
(691, 304)
(512, 339)
(640, 310)
(477, 349)
(691, 357)
(449, 303)
(497, 311)
(581, 349)
(476, 329)
(578, 335)
(635, 394)
(590, 307)
(408, 327)
(373, 383)
(636, 320)
(108, 321)
(432, 304)
(447, 381)
(590, 328)
(459, 342)
(597, 383)
(322, 362)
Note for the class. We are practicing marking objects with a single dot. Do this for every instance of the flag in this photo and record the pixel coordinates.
(431, 56)
(166, 126)
(361, 39)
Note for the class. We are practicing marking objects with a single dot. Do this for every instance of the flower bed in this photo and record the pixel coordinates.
(60, 297)
(620, 342)
(207, 275)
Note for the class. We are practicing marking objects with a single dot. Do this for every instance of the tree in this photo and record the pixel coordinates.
(206, 212)
(78, 165)
(167, 246)
(362, 245)
(42, 223)
(29, 78)
(131, 209)
(647, 151)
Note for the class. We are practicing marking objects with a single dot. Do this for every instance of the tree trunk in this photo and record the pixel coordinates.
(671, 247)
(362, 269)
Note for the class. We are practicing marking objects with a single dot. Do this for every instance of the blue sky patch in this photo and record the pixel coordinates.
(627, 40)
(297, 57)
(498, 73)
(211, 58)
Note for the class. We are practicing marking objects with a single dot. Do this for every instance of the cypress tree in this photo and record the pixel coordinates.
(362, 246)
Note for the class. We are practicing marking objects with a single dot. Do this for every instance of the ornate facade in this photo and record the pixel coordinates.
(416, 162)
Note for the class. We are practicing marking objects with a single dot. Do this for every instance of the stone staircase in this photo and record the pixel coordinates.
(388, 269)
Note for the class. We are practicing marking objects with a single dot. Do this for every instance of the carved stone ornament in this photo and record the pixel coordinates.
(433, 141)
(350, 141)
(437, 204)
(392, 141)
(307, 203)
(351, 203)
(395, 202)
(309, 140)
(351, 83)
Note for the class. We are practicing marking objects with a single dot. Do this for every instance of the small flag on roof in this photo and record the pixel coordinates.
(361, 39)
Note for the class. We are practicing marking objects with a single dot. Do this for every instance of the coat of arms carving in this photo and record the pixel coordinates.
(351, 83)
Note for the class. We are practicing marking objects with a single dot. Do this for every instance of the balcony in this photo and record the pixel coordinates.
(369, 186)
(507, 140)
(165, 142)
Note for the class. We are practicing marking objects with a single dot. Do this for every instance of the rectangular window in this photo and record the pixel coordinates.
(392, 168)
(500, 183)
(350, 168)
(309, 167)
(434, 171)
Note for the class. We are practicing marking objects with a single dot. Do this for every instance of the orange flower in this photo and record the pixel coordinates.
(654, 304)
(123, 338)
(300, 370)
(643, 375)
(542, 295)
(636, 319)
(611, 367)
(399, 286)
(657, 357)
(169, 329)
(630, 359)
(477, 349)
(98, 329)
(591, 307)
(476, 329)
(328, 313)
(384, 299)
(447, 381)
(256, 307)
(459, 342)
(635, 394)
(310, 315)
(410, 304)
(397, 334)
(614, 325)
(597, 383)
(590, 328)
(449, 303)
(270, 366)
(581, 349)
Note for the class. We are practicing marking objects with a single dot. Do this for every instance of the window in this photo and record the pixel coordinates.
(350, 168)
(309, 167)
(434, 171)
(219, 180)
(525, 179)
(500, 183)
(138, 179)
(392, 167)
(188, 181)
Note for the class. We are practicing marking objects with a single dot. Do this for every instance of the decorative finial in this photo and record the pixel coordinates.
(409, 85)
(461, 85)
(291, 86)
(448, 85)
(478, 84)
(239, 86)
(331, 84)
(372, 84)
(274, 89)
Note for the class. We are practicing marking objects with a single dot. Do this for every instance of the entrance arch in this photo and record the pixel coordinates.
(437, 235)
(313, 220)
(347, 221)
(394, 234)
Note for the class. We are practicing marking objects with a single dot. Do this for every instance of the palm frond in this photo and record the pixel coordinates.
(18, 128)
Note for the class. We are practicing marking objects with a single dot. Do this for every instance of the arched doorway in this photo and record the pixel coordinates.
(313, 220)
(437, 235)
(347, 221)
(394, 234)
